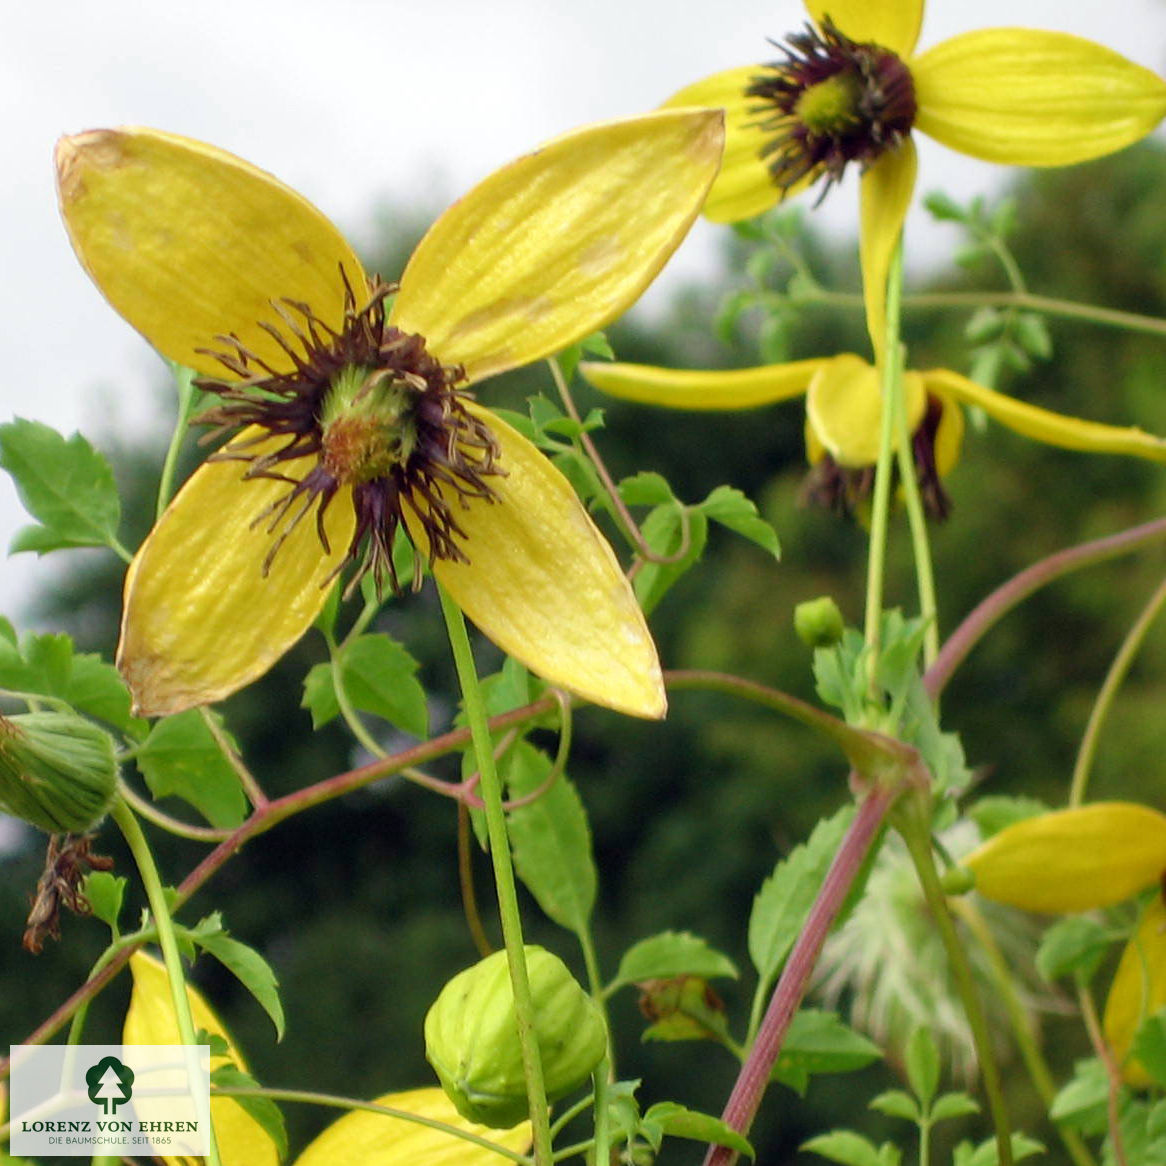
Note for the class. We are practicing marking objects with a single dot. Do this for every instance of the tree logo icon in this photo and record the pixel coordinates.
(110, 1084)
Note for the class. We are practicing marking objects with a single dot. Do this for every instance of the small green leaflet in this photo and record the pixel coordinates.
(852, 1149)
(670, 954)
(104, 893)
(987, 1153)
(245, 963)
(1150, 1046)
(1081, 1102)
(262, 1109)
(818, 1042)
(668, 1119)
(923, 1065)
(65, 484)
(737, 513)
(1073, 947)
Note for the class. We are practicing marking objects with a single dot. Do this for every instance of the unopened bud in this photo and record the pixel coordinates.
(957, 880)
(57, 771)
(471, 1037)
(818, 622)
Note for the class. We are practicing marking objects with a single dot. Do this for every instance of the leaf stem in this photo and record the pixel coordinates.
(184, 383)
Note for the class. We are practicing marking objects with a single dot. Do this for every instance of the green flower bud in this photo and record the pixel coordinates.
(818, 622)
(471, 1037)
(57, 771)
(957, 880)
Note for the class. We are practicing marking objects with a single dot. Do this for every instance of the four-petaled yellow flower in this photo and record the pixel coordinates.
(1077, 860)
(843, 411)
(353, 413)
(852, 89)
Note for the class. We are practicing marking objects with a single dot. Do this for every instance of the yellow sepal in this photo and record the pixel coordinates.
(950, 435)
(151, 1020)
(886, 192)
(200, 620)
(189, 242)
(363, 1138)
(742, 388)
(1073, 860)
(560, 242)
(1044, 425)
(1138, 990)
(1032, 98)
(893, 24)
(545, 586)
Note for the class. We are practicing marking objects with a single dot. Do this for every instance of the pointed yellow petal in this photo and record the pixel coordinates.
(545, 586)
(1073, 860)
(1138, 990)
(151, 1020)
(200, 620)
(362, 1138)
(741, 388)
(887, 188)
(894, 24)
(560, 242)
(743, 188)
(950, 435)
(1043, 425)
(1031, 98)
(188, 242)
(844, 408)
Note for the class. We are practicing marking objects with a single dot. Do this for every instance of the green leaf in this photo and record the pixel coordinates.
(676, 1121)
(249, 968)
(1081, 1103)
(993, 814)
(784, 901)
(663, 531)
(623, 1110)
(65, 484)
(944, 208)
(818, 1042)
(262, 1109)
(987, 1154)
(1150, 1046)
(669, 954)
(734, 510)
(646, 489)
(922, 1062)
(845, 1146)
(580, 471)
(896, 1103)
(1073, 946)
(104, 893)
(96, 688)
(951, 1105)
(180, 757)
(551, 840)
(379, 677)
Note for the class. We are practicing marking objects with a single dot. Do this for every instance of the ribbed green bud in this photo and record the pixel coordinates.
(57, 771)
(471, 1037)
(818, 622)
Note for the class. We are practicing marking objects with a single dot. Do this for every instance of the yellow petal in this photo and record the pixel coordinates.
(950, 435)
(741, 388)
(1138, 990)
(1031, 98)
(188, 242)
(887, 188)
(1043, 425)
(560, 242)
(1073, 860)
(894, 24)
(844, 409)
(743, 187)
(200, 620)
(362, 1138)
(151, 1020)
(545, 586)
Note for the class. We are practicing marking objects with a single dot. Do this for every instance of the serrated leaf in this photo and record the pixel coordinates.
(551, 840)
(64, 483)
(249, 968)
(781, 906)
(96, 688)
(734, 510)
(262, 1109)
(922, 1063)
(672, 953)
(818, 1042)
(664, 531)
(580, 471)
(623, 1110)
(844, 1146)
(951, 1105)
(180, 757)
(104, 892)
(646, 489)
(1071, 947)
(896, 1103)
(675, 1121)
(1081, 1102)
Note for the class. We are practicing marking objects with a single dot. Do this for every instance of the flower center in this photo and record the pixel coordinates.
(832, 101)
(380, 416)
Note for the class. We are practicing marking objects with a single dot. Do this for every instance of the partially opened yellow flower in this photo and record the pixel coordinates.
(354, 413)
(852, 88)
(843, 412)
(1080, 859)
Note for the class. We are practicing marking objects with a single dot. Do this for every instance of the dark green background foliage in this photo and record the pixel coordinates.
(356, 904)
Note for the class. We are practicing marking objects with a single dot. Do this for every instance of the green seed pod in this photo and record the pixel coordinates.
(57, 771)
(818, 622)
(471, 1037)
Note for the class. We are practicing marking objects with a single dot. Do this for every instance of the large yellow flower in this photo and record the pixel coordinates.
(852, 89)
(1080, 859)
(843, 411)
(354, 412)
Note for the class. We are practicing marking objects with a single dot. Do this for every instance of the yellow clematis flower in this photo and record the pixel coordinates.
(357, 411)
(852, 88)
(1080, 859)
(844, 409)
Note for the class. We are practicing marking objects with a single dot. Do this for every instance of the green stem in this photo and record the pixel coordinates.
(251, 787)
(132, 832)
(184, 383)
(491, 790)
(1117, 673)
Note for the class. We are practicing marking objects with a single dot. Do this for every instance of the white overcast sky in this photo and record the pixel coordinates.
(352, 102)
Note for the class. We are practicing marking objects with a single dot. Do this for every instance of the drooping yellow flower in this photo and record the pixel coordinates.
(853, 89)
(843, 412)
(1080, 859)
(354, 413)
